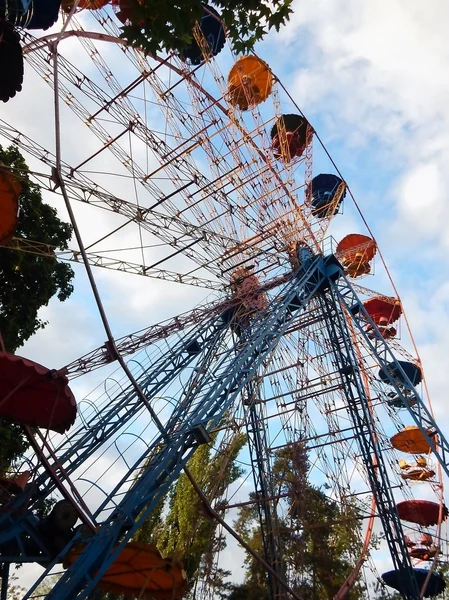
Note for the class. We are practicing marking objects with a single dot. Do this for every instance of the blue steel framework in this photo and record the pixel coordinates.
(218, 385)
(263, 492)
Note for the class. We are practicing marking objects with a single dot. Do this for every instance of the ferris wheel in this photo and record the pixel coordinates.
(204, 162)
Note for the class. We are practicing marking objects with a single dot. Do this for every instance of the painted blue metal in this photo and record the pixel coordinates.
(358, 405)
(214, 394)
(220, 379)
(89, 436)
(384, 355)
(16, 523)
(263, 490)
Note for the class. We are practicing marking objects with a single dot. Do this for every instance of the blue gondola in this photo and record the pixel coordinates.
(435, 586)
(213, 30)
(323, 188)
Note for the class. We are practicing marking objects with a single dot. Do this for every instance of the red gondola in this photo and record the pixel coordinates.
(31, 394)
(355, 252)
(383, 311)
(10, 190)
(422, 512)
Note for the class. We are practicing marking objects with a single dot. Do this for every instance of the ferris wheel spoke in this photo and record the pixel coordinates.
(170, 229)
(107, 262)
(124, 114)
(97, 428)
(133, 342)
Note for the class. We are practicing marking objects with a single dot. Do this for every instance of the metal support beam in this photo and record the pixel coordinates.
(358, 405)
(384, 355)
(214, 394)
(109, 262)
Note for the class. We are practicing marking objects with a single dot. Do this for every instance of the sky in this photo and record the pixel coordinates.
(372, 79)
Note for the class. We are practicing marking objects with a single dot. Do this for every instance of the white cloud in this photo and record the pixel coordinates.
(422, 198)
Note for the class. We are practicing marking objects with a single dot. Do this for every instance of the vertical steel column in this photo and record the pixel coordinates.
(5, 581)
(357, 403)
(269, 524)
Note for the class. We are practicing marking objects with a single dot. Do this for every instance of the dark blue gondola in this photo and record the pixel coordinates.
(412, 371)
(11, 62)
(323, 188)
(396, 580)
(41, 14)
(11, 9)
(213, 30)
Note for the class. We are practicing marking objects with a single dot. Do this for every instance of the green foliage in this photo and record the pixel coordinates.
(187, 532)
(15, 591)
(12, 444)
(249, 591)
(47, 585)
(184, 530)
(27, 282)
(150, 530)
(318, 540)
(168, 25)
(382, 592)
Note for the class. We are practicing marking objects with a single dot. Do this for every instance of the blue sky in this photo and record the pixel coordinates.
(372, 80)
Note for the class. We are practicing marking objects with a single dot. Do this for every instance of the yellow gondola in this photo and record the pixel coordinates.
(249, 82)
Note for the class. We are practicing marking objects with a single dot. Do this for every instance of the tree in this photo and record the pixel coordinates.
(47, 585)
(169, 25)
(186, 531)
(27, 282)
(15, 591)
(318, 538)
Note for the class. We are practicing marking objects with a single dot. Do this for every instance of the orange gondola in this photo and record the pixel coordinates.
(33, 395)
(249, 82)
(10, 189)
(355, 252)
(421, 512)
(418, 471)
(14, 484)
(411, 440)
(140, 571)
